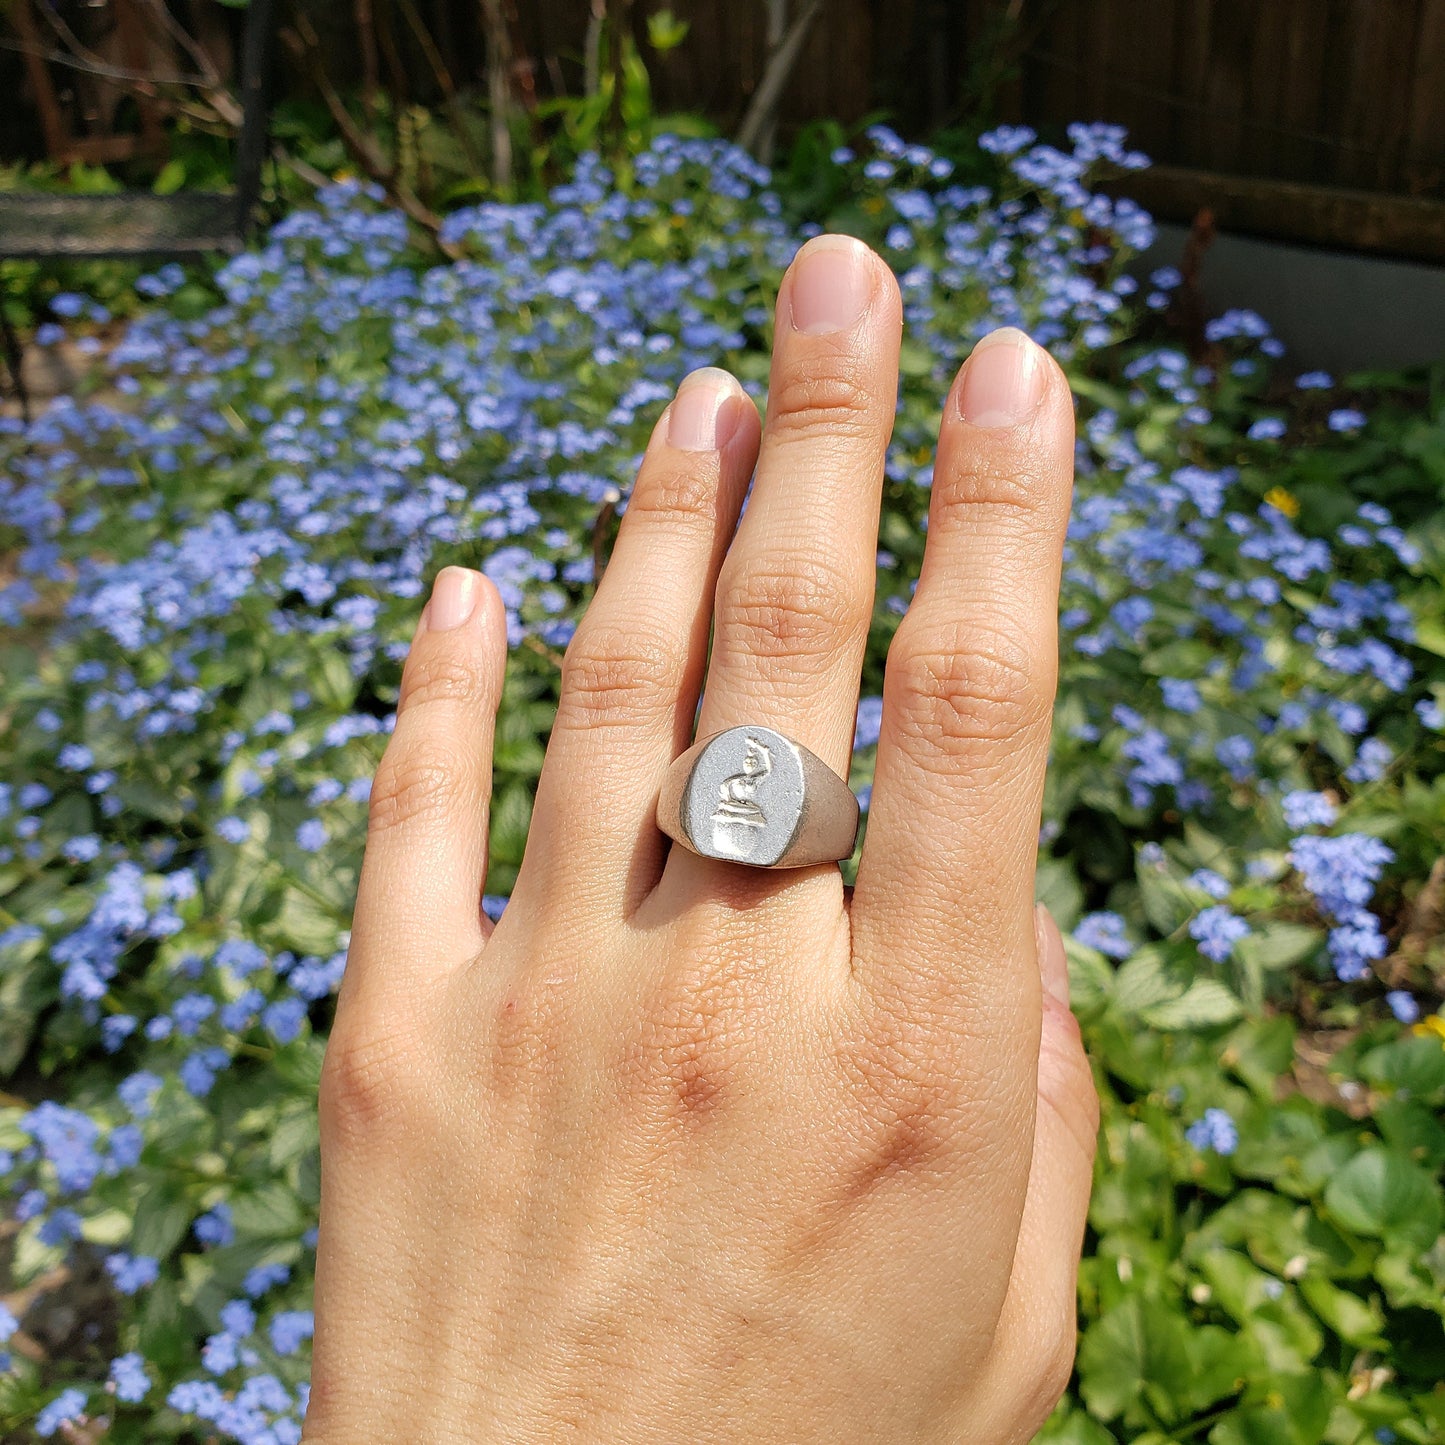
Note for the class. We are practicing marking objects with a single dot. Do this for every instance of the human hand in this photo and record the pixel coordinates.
(691, 1151)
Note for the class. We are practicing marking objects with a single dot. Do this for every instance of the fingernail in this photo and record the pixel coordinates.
(1003, 381)
(453, 599)
(1053, 961)
(700, 419)
(831, 285)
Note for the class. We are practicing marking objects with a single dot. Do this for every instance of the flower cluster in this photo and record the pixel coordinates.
(229, 556)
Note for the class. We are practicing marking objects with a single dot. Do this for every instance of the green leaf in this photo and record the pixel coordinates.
(1405, 1280)
(1356, 1321)
(1326, 1159)
(1205, 1003)
(299, 1065)
(1056, 886)
(1183, 657)
(1113, 1359)
(143, 799)
(161, 1222)
(1430, 634)
(1281, 1331)
(111, 1227)
(1381, 1193)
(1073, 1428)
(1152, 976)
(1090, 977)
(28, 985)
(915, 359)
(1295, 1411)
(1278, 945)
(1413, 1129)
(332, 681)
(1167, 903)
(31, 1257)
(171, 178)
(294, 1135)
(271, 1212)
(665, 31)
(1259, 1051)
(510, 819)
(1415, 1064)
(1143, 1347)
(307, 925)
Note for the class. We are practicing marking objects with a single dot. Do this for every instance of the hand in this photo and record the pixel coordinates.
(687, 1151)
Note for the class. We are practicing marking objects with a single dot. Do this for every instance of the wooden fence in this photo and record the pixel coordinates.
(1336, 92)
(1277, 113)
(1269, 111)
(1321, 120)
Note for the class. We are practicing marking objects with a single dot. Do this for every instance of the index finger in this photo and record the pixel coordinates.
(943, 908)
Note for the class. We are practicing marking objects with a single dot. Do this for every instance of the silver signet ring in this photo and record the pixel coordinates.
(750, 795)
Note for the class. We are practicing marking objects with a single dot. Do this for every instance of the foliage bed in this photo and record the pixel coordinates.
(213, 574)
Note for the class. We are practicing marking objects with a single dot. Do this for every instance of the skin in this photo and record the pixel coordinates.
(689, 1151)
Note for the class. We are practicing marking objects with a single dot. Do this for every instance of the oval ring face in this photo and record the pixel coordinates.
(745, 796)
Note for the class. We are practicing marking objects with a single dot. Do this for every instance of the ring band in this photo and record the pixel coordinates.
(751, 795)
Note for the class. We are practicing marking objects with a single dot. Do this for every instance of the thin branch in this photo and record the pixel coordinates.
(137, 82)
(499, 90)
(395, 64)
(592, 53)
(88, 63)
(365, 20)
(428, 48)
(57, 133)
(619, 25)
(224, 117)
(67, 36)
(304, 43)
(444, 80)
(318, 180)
(763, 108)
(81, 57)
(213, 122)
(542, 650)
(216, 122)
(183, 38)
(601, 525)
(776, 32)
(524, 68)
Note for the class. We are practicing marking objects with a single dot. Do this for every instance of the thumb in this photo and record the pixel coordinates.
(1038, 1327)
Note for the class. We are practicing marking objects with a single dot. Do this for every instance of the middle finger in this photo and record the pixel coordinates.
(795, 596)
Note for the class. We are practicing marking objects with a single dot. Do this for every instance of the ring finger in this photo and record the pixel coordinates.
(795, 596)
(631, 674)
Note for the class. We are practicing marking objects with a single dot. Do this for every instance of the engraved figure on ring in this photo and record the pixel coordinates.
(738, 805)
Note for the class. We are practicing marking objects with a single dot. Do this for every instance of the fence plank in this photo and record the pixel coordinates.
(1424, 167)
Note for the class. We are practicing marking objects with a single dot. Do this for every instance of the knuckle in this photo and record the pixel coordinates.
(1006, 484)
(613, 676)
(825, 395)
(802, 612)
(906, 1094)
(435, 678)
(674, 492)
(683, 1058)
(410, 788)
(954, 688)
(368, 1087)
